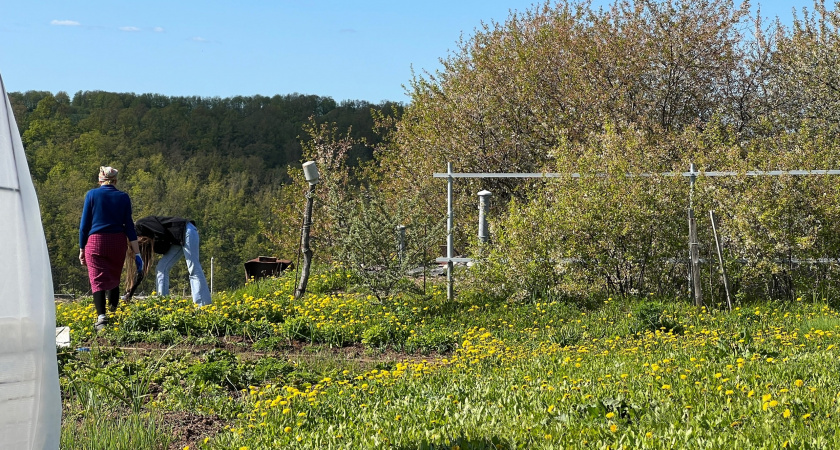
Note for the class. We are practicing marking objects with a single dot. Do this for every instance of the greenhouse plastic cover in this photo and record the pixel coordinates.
(30, 401)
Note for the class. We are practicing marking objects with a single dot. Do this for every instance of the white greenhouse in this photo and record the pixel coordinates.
(30, 401)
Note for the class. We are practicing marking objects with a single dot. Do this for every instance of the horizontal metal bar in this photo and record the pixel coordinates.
(444, 259)
(9, 189)
(749, 173)
(758, 173)
(505, 175)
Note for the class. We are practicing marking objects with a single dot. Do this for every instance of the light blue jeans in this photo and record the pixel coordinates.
(198, 282)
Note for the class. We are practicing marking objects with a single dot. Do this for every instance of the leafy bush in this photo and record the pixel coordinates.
(258, 329)
(267, 369)
(336, 278)
(370, 243)
(651, 316)
(165, 337)
(268, 344)
(220, 367)
(381, 335)
(217, 324)
(182, 323)
(567, 336)
(141, 319)
(121, 336)
(333, 334)
(297, 328)
(440, 341)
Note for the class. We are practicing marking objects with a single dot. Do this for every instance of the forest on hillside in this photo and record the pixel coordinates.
(639, 86)
(220, 162)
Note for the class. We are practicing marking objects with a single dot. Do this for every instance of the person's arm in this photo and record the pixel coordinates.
(131, 232)
(128, 222)
(84, 227)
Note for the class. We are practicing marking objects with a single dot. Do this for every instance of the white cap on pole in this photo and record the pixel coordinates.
(310, 172)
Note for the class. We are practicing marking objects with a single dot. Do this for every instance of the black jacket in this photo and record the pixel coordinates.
(166, 231)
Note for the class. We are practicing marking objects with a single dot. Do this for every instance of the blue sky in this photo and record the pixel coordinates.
(348, 50)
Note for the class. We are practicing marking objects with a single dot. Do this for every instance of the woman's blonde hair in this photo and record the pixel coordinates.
(146, 245)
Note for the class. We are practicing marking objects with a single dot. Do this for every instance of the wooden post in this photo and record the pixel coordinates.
(720, 259)
(304, 243)
(310, 172)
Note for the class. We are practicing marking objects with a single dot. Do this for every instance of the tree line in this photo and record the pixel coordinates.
(219, 161)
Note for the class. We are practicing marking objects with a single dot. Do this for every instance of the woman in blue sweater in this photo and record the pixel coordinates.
(105, 225)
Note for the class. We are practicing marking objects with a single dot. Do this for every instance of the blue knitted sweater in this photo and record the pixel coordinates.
(107, 210)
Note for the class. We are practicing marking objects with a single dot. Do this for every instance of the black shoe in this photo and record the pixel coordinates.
(100, 324)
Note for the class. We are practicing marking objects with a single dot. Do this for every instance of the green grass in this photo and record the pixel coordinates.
(98, 431)
(338, 370)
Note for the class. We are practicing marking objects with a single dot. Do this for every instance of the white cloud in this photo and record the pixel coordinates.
(199, 39)
(66, 23)
(129, 29)
(158, 29)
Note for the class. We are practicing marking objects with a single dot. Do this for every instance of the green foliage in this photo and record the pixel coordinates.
(220, 162)
(268, 344)
(370, 245)
(430, 341)
(620, 110)
(297, 328)
(141, 320)
(219, 367)
(104, 432)
(258, 329)
(268, 369)
(383, 335)
(653, 316)
(334, 279)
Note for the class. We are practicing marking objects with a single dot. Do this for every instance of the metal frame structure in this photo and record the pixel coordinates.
(692, 175)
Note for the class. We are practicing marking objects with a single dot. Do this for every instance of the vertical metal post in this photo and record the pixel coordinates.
(450, 294)
(401, 244)
(211, 274)
(720, 259)
(694, 251)
(483, 204)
